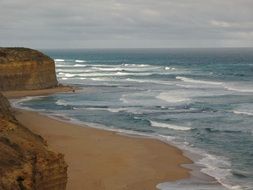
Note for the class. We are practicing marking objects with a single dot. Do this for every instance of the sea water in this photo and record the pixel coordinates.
(198, 99)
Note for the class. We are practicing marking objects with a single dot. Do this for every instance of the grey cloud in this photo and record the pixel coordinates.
(126, 23)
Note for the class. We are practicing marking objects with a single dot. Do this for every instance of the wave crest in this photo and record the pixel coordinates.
(169, 126)
(80, 61)
(190, 80)
(59, 60)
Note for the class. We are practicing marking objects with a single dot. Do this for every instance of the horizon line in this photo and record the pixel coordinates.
(122, 48)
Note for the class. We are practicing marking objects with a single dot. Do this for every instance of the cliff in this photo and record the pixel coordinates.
(25, 159)
(26, 69)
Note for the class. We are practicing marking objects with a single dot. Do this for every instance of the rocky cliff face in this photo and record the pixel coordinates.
(26, 69)
(26, 163)
(5, 109)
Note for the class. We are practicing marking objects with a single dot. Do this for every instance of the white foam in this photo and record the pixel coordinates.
(169, 126)
(61, 103)
(239, 88)
(149, 81)
(189, 80)
(59, 60)
(69, 75)
(18, 102)
(243, 113)
(75, 71)
(108, 69)
(103, 66)
(129, 110)
(113, 110)
(80, 61)
(142, 69)
(80, 65)
(142, 65)
(137, 80)
(99, 79)
(116, 110)
(93, 71)
(170, 68)
(136, 65)
(190, 184)
(96, 74)
(170, 98)
(192, 86)
(138, 69)
(218, 167)
(135, 74)
(59, 65)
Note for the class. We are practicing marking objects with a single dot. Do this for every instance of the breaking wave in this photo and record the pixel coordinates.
(169, 126)
(80, 61)
(190, 80)
(59, 60)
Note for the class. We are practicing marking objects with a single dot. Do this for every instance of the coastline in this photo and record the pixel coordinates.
(100, 159)
(106, 160)
(15, 94)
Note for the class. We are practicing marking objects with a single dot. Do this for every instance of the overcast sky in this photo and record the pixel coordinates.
(126, 23)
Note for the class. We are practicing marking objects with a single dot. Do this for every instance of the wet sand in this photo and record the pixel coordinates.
(43, 92)
(105, 160)
(100, 159)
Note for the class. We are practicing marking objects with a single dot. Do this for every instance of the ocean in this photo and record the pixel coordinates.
(200, 100)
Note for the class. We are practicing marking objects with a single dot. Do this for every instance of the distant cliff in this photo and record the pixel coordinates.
(26, 69)
(26, 163)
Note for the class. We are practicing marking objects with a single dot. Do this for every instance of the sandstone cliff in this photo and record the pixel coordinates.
(26, 69)
(25, 160)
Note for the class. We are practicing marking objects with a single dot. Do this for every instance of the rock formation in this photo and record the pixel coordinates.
(26, 163)
(26, 69)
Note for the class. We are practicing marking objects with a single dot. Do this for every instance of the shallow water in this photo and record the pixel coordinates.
(199, 99)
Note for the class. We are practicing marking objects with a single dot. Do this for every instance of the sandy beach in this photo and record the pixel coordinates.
(43, 92)
(126, 95)
(101, 159)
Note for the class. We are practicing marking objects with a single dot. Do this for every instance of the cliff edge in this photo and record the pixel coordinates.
(26, 163)
(26, 69)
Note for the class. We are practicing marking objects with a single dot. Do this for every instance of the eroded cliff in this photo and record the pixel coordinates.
(25, 160)
(26, 69)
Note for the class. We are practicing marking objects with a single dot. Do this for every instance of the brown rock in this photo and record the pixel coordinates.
(25, 160)
(26, 69)
(5, 108)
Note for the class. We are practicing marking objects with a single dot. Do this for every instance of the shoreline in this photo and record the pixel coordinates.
(17, 94)
(196, 176)
(139, 162)
(128, 163)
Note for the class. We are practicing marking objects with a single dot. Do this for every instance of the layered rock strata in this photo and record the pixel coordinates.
(25, 159)
(26, 69)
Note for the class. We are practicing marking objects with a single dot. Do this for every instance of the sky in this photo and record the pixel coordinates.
(126, 23)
